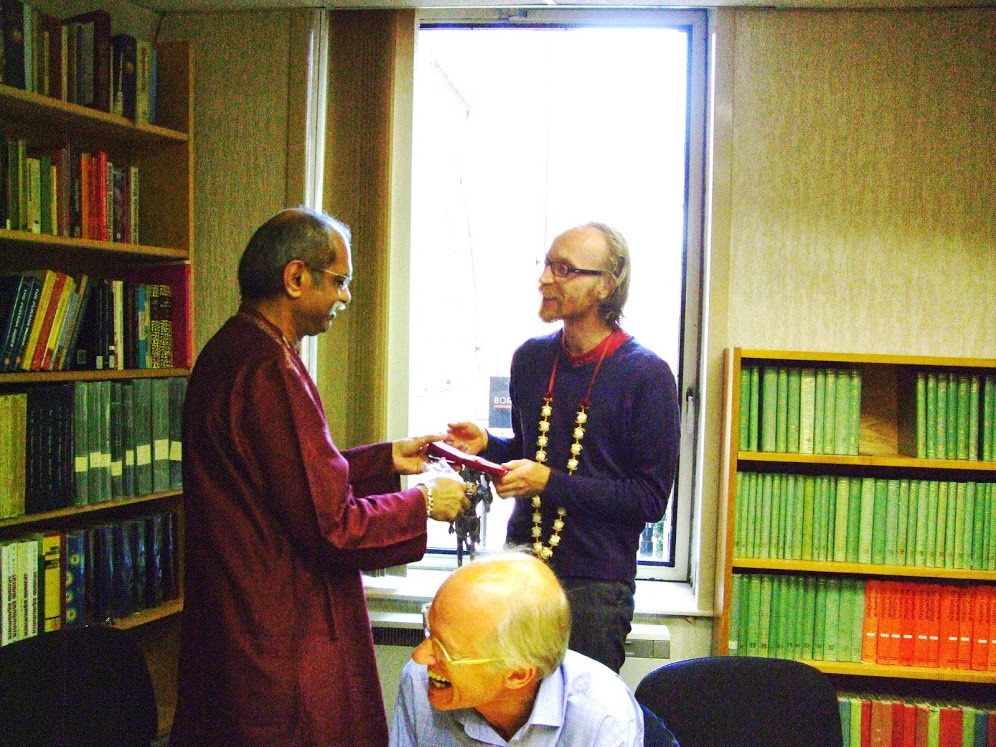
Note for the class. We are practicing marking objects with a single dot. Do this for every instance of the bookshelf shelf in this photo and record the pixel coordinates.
(42, 377)
(167, 609)
(66, 244)
(155, 205)
(859, 358)
(46, 517)
(912, 673)
(899, 462)
(843, 545)
(863, 569)
(54, 114)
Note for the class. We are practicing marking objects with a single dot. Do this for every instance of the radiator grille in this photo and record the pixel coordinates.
(408, 637)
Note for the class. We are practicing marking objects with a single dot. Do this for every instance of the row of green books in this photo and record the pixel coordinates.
(988, 407)
(77, 443)
(955, 416)
(815, 618)
(875, 720)
(799, 410)
(921, 523)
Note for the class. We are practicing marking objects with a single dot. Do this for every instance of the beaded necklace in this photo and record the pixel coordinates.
(545, 551)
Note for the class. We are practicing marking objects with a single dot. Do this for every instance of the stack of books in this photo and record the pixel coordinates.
(68, 191)
(52, 321)
(955, 416)
(879, 720)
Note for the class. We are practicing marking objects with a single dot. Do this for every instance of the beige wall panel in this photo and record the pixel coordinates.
(240, 165)
(363, 46)
(863, 182)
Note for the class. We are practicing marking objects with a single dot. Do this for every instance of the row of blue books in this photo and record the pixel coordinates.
(100, 573)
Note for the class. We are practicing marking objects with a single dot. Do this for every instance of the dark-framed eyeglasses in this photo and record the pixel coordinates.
(438, 649)
(564, 270)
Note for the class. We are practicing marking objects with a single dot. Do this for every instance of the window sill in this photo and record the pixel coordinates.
(407, 593)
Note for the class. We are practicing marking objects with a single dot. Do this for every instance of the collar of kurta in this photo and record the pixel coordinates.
(266, 325)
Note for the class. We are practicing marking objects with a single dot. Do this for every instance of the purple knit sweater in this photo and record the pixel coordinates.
(627, 463)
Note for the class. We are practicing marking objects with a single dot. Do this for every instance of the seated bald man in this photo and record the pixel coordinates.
(494, 668)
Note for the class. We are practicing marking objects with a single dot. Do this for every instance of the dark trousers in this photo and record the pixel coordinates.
(601, 613)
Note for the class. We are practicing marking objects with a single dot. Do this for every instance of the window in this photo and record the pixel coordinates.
(521, 131)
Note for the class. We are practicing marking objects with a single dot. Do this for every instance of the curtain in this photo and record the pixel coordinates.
(371, 55)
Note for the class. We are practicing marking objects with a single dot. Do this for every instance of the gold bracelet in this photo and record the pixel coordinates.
(428, 499)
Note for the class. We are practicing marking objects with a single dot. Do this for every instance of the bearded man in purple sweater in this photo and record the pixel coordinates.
(594, 449)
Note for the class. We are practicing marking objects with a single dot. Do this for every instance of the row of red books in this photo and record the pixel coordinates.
(945, 625)
(873, 721)
(68, 192)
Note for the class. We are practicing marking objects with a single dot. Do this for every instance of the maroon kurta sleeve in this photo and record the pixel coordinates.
(296, 458)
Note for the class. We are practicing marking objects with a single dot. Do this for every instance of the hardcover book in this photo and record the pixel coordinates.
(75, 574)
(53, 549)
(93, 65)
(124, 72)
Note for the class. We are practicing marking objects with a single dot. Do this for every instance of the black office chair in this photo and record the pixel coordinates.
(85, 686)
(744, 701)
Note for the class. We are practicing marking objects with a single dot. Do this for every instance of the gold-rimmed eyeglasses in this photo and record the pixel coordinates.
(342, 281)
(439, 650)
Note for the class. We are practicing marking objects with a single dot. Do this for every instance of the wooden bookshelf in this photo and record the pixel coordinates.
(163, 153)
(887, 445)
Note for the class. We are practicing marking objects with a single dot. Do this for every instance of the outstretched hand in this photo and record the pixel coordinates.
(410, 454)
(466, 436)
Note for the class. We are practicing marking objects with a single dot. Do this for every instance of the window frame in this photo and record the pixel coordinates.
(692, 343)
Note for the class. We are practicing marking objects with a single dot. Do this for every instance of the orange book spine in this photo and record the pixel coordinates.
(869, 640)
(947, 655)
(921, 629)
(992, 629)
(982, 627)
(966, 620)
(888, 626)
(907, 622)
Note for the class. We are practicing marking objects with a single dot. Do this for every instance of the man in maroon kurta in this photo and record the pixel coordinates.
(276, 647)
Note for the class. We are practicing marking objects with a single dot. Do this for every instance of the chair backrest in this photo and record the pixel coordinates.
(78, 686)
(742, 701)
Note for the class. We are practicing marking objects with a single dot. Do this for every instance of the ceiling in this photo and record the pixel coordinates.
(195, 5)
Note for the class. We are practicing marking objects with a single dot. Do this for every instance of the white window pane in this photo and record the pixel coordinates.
(520, 134)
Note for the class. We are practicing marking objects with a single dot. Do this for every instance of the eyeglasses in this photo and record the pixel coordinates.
(564, 270)
(343, 280)
(438, 647)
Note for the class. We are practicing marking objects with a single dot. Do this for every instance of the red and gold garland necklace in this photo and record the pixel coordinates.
(610, 343)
